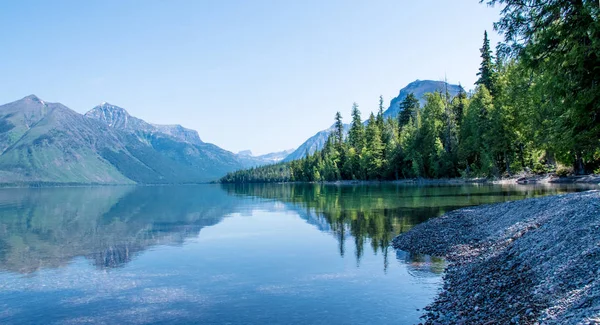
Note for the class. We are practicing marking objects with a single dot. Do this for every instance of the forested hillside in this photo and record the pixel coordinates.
(536, 107)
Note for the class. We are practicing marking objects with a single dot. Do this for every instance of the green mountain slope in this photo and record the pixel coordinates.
(49, 143)
(161, 154)
(18, 117)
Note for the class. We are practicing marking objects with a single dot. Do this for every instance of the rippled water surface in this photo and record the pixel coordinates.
(253, 254)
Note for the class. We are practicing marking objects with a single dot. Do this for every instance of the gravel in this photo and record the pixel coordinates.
(535, 261)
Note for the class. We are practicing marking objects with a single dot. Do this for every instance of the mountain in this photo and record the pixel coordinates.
(274, 157)
(43, 142)
(245, 153)
(247, 158)
(179, 132)
(418, 87)
(119, 118)
(314, 143)
(48, 142)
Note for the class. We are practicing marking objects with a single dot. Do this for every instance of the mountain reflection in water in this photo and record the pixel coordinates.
(47, 228)
(252, 254)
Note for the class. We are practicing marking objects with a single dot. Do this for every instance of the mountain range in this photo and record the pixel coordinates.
(418, 87)
(269, 158)
(48, 143)
(44, 143)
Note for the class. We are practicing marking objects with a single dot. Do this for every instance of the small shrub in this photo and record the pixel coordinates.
(540, 168)
(563, 171)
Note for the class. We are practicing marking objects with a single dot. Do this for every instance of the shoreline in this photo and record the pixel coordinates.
(68, 185)
(523, 262)
(515, 180)
(528, 179)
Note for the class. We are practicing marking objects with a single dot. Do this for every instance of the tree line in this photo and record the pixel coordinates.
(536, 107)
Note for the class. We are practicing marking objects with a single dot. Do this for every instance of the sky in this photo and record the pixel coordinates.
(248, 74)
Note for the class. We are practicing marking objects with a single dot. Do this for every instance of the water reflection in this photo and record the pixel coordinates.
(419, 265)
(208, 254)
(110, 226)
(47, 228)
(373, 215)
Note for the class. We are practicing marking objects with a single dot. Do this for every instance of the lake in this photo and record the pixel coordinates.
(237, 254)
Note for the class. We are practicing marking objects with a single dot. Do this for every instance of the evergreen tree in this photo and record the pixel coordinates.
(559, 39)
(486, 70)
(411, 142)
(374, 150)
(339, 129)
(474, 151)
(351, 166)
(408, 108)
(380, 113)
(458, 105)
(356, 135)
(431, 132)
(544, 110)
(389, 142)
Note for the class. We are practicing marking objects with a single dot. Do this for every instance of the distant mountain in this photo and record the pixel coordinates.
(247, 158)
(179, 132)
(314, 143)
(274, 157)
(245, 153)
(119, 118)
(418, 87)
(44, 142)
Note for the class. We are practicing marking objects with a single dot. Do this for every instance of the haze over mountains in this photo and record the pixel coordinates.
(270, 158)
(48, 143)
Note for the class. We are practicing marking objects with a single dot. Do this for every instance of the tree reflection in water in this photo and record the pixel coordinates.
(374, 214)
(48, 228)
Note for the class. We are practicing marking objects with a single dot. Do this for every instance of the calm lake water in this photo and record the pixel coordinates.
(252, 254)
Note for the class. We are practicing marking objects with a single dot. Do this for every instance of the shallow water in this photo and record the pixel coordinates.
(246, 254)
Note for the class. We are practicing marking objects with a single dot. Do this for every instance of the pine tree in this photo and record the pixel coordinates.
(544, 109)
(408, 108)
(374, 149)
(458, 105)
(474, 151)
(561, 44)
(431, 135)
(389, 142)
(486, 70)
(339, 129)
(380, 113)
(411, 142)
(356, 136)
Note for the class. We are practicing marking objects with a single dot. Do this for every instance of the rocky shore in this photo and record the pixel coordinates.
(521, 179)
(535, 261)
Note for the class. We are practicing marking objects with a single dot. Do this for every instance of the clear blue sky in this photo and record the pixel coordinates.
(259, 75)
